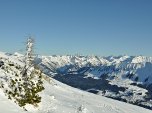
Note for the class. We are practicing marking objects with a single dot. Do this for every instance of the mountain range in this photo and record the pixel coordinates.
(124, 78)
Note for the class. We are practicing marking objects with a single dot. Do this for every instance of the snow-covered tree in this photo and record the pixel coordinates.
(24, 88)
(29, 57)
(29, 52)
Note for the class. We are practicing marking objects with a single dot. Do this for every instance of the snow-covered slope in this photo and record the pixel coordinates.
(125, 78)
(60, 98)
(64, 99)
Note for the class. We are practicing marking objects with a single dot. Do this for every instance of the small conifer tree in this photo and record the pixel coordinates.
(24, 88)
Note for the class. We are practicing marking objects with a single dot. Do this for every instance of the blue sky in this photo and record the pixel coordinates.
(100, 27)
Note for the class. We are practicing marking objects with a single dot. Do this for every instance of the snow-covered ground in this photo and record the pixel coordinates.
(60, 98)
(132, 75)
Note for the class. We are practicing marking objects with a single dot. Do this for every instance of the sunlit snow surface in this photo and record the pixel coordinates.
(60, 98)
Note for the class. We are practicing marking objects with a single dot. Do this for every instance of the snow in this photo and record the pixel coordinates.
(7, 106)
(60, 98)
(140, 66)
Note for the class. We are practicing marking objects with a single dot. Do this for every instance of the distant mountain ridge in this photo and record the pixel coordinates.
(139, 66)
